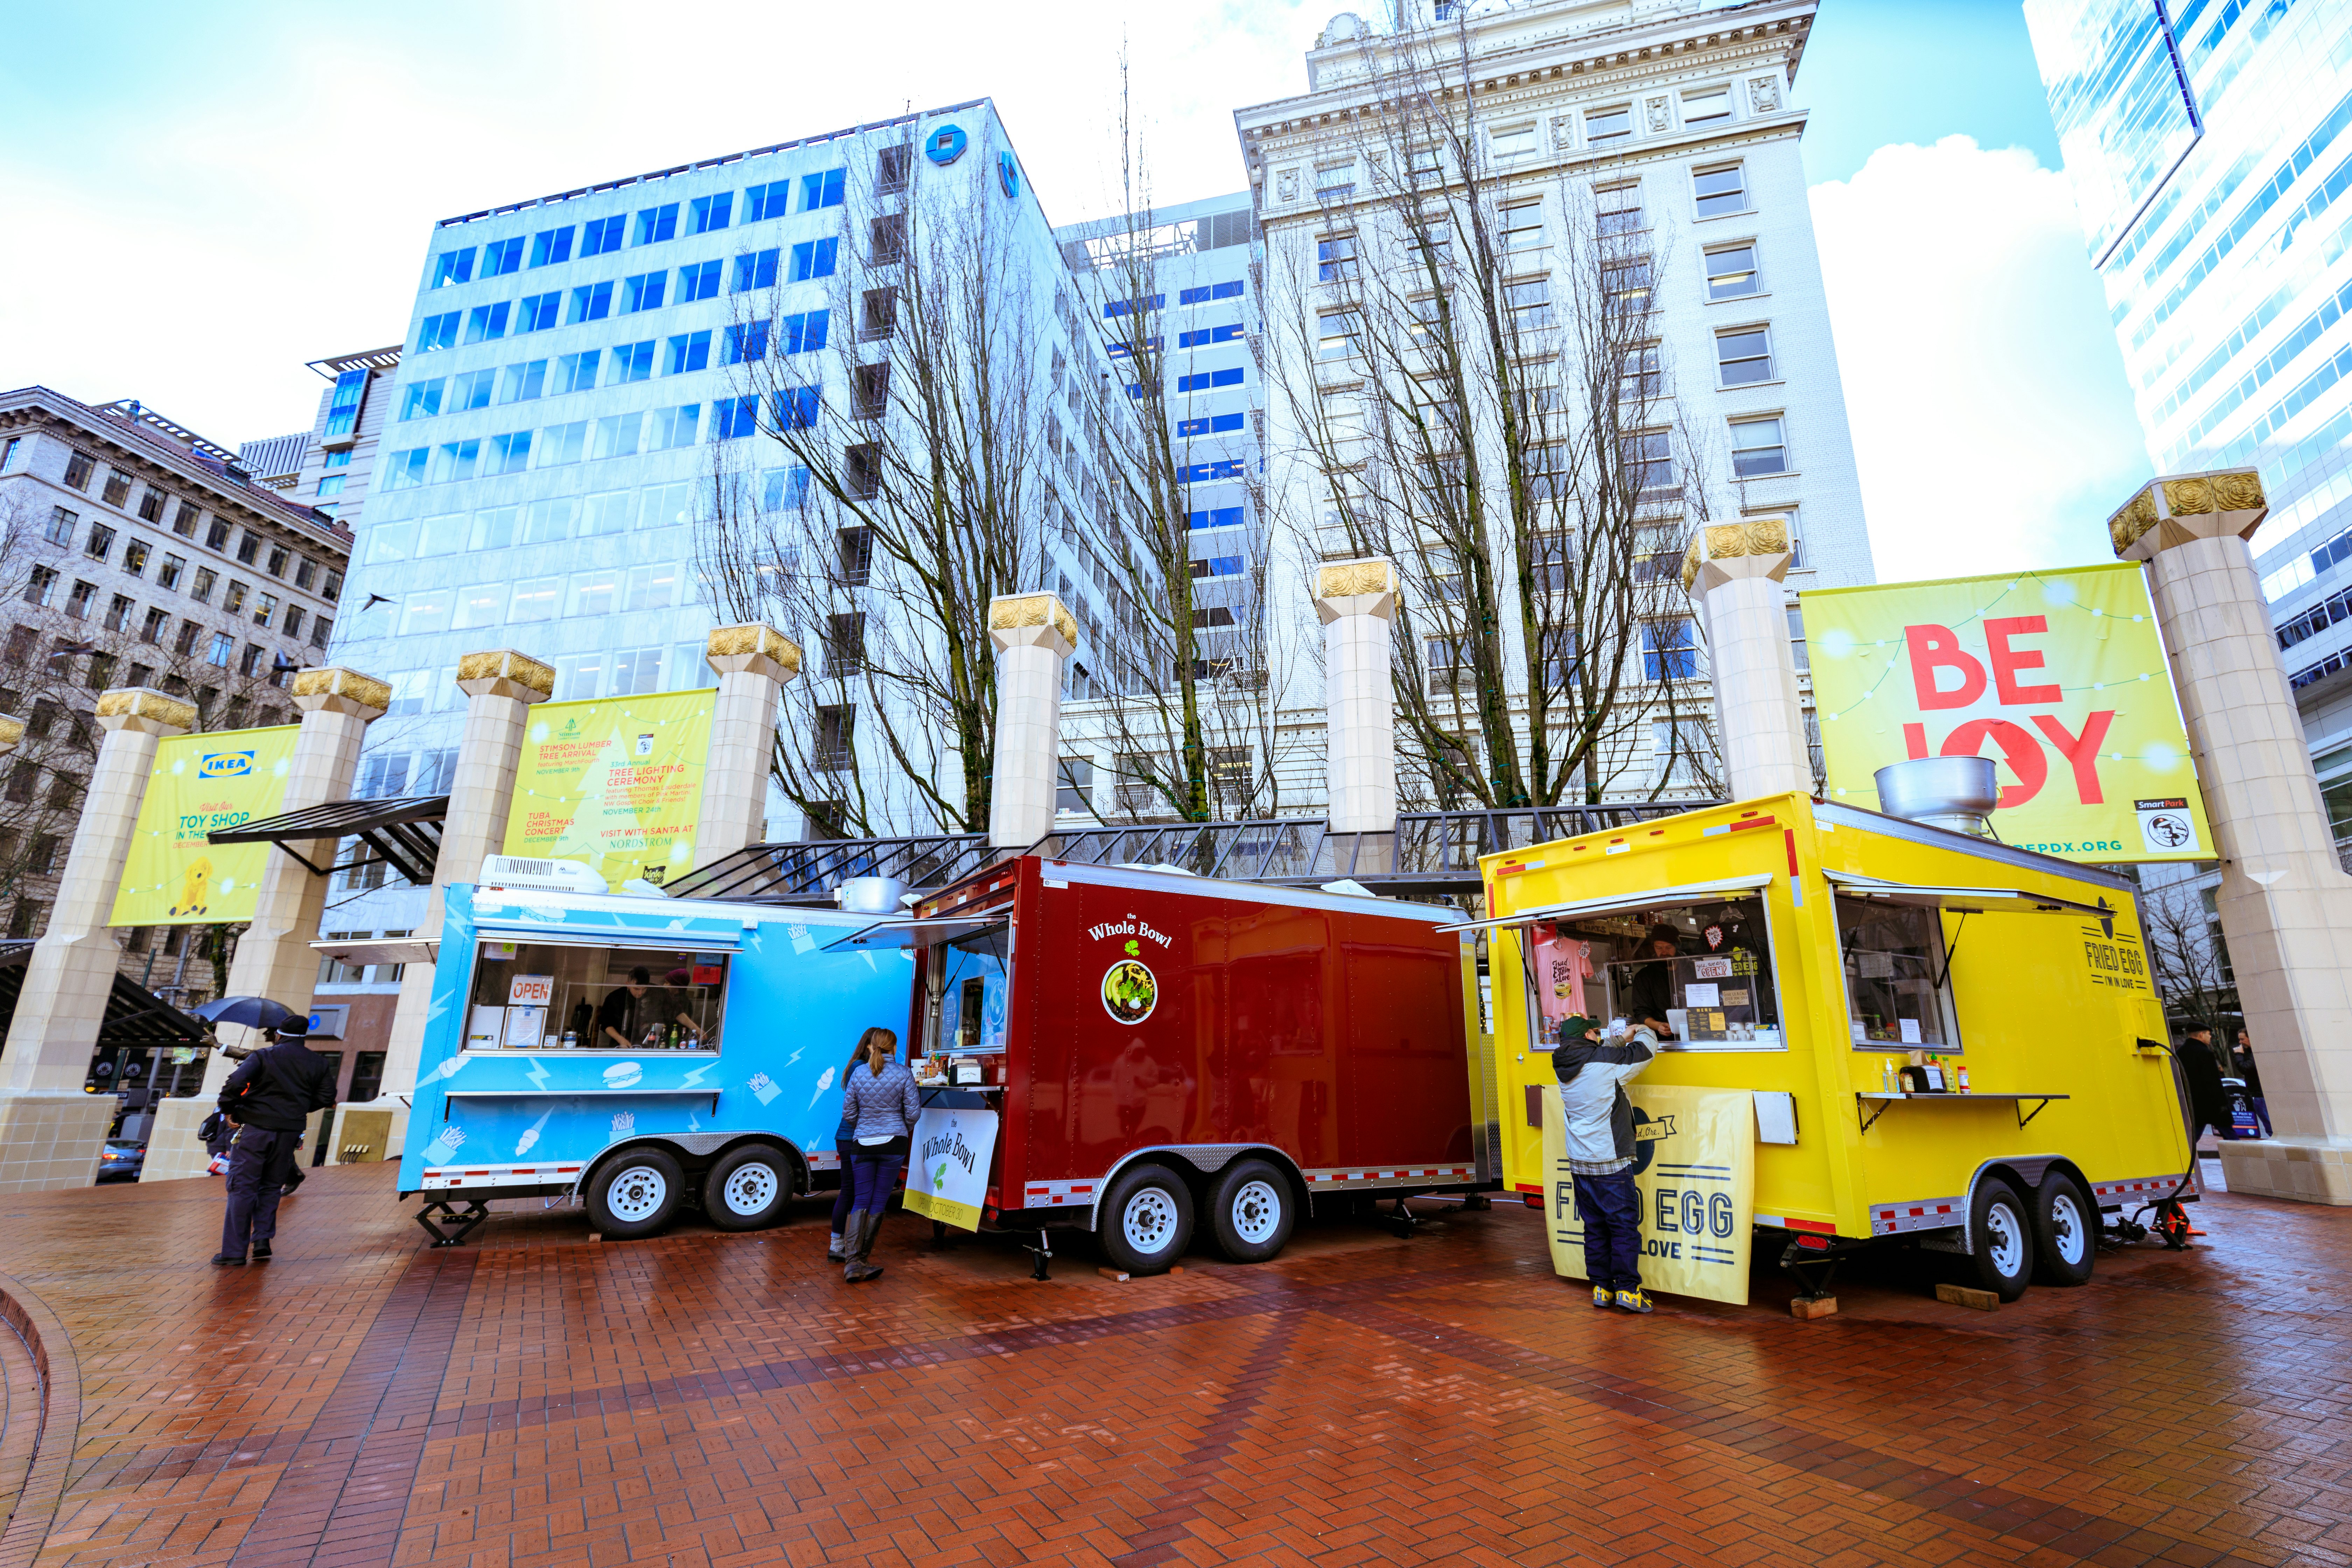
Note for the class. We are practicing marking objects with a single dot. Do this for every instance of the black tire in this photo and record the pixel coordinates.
(2001, 1237)
(749, 1188)
(1251, 1210)
(1146, 1219)
(635, 1194)
(2065, 1232)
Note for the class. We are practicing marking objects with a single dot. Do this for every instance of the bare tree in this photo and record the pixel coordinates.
(890, 490)
(2184, 950)
(1490, 405)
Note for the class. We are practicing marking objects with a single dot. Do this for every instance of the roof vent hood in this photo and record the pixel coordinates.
(1956, 793)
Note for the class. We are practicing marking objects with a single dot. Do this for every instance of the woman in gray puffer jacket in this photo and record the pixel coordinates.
(879, 1097)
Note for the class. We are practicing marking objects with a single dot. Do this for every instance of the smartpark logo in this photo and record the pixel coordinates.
(225, 765)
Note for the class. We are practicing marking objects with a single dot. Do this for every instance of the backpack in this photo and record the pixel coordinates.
(211, 1126)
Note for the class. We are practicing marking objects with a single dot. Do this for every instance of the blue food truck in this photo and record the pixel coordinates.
(643, 1053)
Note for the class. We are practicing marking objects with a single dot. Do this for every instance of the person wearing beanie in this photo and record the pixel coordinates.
(1597, 1126)
(270, 1097)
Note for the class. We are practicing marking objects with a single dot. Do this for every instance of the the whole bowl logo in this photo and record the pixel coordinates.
(623, 1075)
(1129, 992)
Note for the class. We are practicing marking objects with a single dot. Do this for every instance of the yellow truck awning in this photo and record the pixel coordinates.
(1957, 900)
(1623, 903)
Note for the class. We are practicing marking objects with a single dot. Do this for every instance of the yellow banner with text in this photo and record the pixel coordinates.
(174, 875)
(616, 783)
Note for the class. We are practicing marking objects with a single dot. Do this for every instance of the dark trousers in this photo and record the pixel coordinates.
(258, 1164)
(873, 1177)
(1612, 1211)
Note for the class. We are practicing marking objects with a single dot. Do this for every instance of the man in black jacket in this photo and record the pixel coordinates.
(270, 1097)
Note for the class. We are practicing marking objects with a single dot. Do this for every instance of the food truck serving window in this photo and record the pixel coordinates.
(969, 988)
(1701, 974)
(550, 996)
(1897, 976)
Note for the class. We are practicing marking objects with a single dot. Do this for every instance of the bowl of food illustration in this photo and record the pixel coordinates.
(1129, 992)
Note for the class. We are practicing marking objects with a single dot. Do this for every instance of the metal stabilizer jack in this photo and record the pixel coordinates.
(1043, 1255)
(446, 1226)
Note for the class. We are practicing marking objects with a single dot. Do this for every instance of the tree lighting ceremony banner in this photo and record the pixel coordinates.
(200, 783)
(2058, 674)
(617, 782)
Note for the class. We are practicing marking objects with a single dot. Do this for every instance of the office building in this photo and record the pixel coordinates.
(2209, 148)
(1624, 184)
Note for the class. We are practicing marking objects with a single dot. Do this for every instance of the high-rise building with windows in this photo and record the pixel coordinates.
(2210, 146)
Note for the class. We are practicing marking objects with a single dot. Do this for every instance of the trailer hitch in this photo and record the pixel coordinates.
(439, 1226)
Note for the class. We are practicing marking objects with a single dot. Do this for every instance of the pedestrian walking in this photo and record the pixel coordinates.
(879, 1093)
(2202, 1065)
(845, 1144)
(1597, 1122)
(270, 1097)
(2252, 1077)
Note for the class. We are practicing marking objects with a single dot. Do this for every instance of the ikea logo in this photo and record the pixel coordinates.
(225, 765)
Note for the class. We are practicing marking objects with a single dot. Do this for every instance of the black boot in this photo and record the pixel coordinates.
(855, 1242)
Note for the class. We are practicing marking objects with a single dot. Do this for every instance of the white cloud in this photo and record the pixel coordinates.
(1991, 421)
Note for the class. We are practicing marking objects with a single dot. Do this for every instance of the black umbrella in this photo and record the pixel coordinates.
(253, 1012)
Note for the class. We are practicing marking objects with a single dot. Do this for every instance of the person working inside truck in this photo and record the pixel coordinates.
(617, 1019)
(1652, 992)
(1596, 1124)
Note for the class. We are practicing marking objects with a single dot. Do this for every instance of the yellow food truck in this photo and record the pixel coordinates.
(1948, 1039)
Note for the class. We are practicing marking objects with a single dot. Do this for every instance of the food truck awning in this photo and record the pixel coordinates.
(892, 933)
(380, 949)
(1623, 903)
(1957, 900)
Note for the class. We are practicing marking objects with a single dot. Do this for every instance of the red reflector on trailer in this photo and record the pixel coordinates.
(1812, 1225)
(1751, 822)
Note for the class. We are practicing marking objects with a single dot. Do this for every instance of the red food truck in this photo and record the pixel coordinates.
(1160, 1049)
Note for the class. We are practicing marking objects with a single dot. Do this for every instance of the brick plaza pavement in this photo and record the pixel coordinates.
(707, 1399)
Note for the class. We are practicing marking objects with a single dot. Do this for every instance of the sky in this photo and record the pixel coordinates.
(246, 186)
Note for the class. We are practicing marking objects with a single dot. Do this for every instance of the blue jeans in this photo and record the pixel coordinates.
(1612, 1211)
(873, 1176)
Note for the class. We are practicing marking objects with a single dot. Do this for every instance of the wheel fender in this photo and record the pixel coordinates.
(697, 1154)
(2023, 1172)
(1200, 1160)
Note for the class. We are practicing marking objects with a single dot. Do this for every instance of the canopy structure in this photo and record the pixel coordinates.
(1625, 903)
(1958, 901)
(133, 1016)
(404, 835)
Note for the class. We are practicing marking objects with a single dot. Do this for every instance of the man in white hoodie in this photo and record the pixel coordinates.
(1597, 1121)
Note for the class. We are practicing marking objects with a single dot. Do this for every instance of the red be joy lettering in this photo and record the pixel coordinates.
(1946, 675)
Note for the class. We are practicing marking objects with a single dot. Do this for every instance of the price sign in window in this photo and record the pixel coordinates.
(531, 991)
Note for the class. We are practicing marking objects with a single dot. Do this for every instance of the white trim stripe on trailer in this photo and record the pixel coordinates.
(823, 1161)
(1060, 1194)
(1927, 1214)
(2120, 1190)
(495, 1176)
(1332, 1178)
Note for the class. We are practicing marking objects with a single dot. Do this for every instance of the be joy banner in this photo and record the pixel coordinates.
(2058, 675)
(200, 783)
(616, 783)
(1695, 1168)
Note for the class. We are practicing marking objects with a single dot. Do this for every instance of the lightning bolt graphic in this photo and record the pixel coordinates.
(795, 1056)
(538, 1075)
(690, 1079)
(691, 1125)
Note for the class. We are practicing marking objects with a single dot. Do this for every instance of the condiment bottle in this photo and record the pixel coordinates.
(1963, 1071)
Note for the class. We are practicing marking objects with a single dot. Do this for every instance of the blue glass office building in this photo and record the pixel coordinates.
(2210, 146)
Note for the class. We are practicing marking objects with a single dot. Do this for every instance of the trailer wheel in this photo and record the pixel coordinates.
(2065, 1232)
(748, 1188)
(2003, 1239)
(635, 1194)
(1250, 1211)
(1146, 1221)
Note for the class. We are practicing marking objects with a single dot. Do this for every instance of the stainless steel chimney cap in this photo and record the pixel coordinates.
(871, 895)
(1955, 792)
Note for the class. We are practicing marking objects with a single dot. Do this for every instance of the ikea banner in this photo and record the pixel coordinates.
(616, 783)
(1694, 1170)
(2061, 673)
(200, 783)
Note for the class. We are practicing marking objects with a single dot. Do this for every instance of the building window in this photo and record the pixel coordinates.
(630, 362)
(117, 612)
(344, 408)
(1797, 639)
(1076, 790)
(598, 235)
(643, 292)
(1340, 336)
(79, 469)
(1649, 465)
(538, 312)
(1617, 209)
(837, 738)
(891, 167)
(823, 190)
(757, 270)
(1705, 104)
(187, 642)
(591, 302)
(216, 534)
(813, 259)
(699, 282)
(487, 324)
(1731, 271)
(887, 239)
(1756, 448)
(879, 314)
(60, 527)
(152, 504)
(202, 593)
(1529, 303)
(1334, 258)
(764, 201)
(437, 333)
(1681, 747)
(1513, 141)
(550, 246)
(870, 385)
(117, 487)
(1721, 189)
(249, 548)
(305, 571)
(1639, 379)
(1604, 126)
(453, 267)
(153, 632)
(320, 628)
(733, 417)
(861, 470)
(276, 563)
(1669, 649)
(689, 352)
(1523, 232)
(233, 601)
(184, 521)
(806, 333)
(501, 257)
(1743, 356)
(264, 609)
(657, 224)
(78, 602)
(223, 649)
(705, 214)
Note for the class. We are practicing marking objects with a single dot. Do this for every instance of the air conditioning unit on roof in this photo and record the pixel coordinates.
(544, 876)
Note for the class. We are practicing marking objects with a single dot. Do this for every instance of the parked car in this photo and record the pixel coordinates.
(121, 1162)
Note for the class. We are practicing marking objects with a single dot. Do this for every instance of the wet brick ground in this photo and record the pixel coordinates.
(704, 1399)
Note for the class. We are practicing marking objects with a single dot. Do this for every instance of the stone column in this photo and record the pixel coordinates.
(274, 958)
(51, 1132)
(1032, 634)
(2284, 901)
(754, 664)
(1733, 573)
(1357, 602)
(500, 687)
